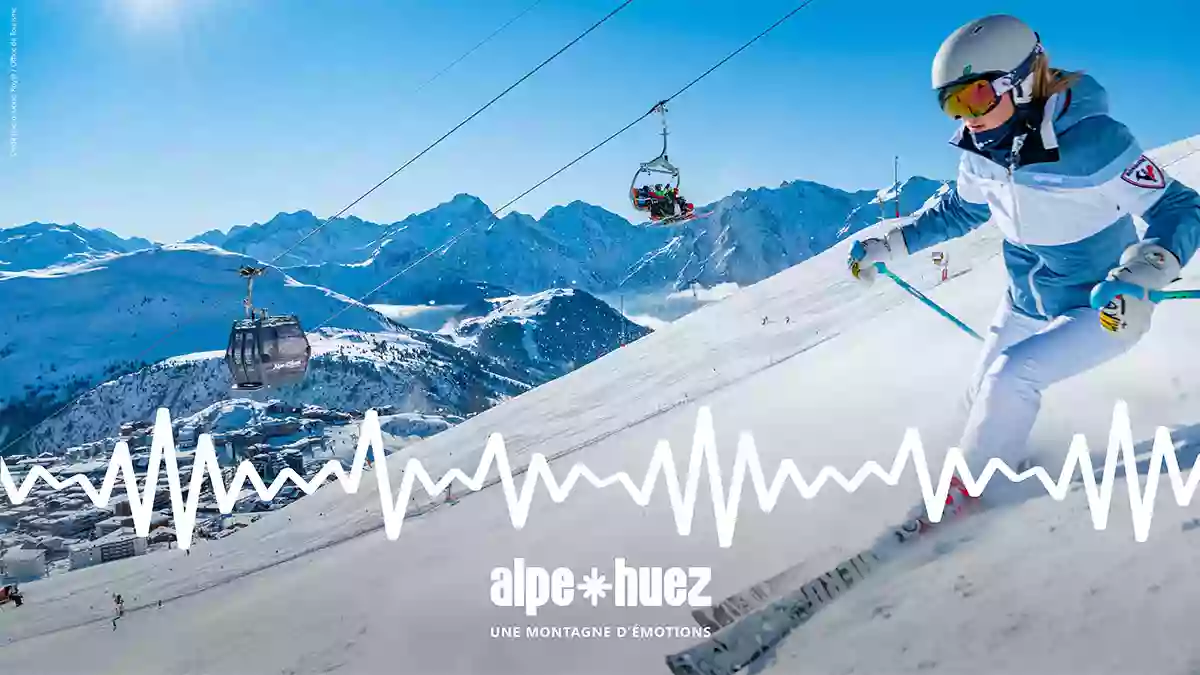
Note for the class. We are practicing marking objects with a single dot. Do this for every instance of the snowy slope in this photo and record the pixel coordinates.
(319, 588)
(77, 326)
(350, 370)
(37, 245)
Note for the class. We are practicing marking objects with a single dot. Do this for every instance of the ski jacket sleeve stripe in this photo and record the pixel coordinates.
(953, 217)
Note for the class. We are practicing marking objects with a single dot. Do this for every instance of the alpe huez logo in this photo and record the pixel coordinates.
(534, 587)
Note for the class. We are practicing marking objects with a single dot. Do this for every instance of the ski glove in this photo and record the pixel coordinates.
(866, 252)
(1121, 298)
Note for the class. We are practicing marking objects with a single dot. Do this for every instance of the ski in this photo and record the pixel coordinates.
(762, 593)
(750, 623)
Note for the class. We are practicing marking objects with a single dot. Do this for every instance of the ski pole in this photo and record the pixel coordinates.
(1105, 291)
(1181, 294)
(882, 268)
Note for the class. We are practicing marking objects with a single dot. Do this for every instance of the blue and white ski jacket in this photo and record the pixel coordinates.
(1065, 203)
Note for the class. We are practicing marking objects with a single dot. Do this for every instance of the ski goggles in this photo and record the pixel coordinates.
(970, 99)
(979, 96)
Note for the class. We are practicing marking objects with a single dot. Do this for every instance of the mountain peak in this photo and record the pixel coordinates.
(283, 217)
(465, 202)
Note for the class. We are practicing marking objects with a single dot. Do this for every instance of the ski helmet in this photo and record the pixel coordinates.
(995, 45)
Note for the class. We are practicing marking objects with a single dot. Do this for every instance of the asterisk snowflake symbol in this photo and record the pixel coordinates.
(594, 587)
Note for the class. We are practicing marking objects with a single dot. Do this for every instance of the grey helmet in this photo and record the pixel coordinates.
(998, 45)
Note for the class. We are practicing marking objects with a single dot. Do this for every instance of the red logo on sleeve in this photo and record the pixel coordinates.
(1144, 173)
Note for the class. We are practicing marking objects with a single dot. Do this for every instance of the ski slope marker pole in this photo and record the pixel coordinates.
(883, 269)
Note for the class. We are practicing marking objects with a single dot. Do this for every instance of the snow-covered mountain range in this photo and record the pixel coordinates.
(754, 234)
(350, 370)
(499, 349)
(742, 238)
(88, 306)
(38, 245)
(341, 240)
(548, 334)
(75, 326)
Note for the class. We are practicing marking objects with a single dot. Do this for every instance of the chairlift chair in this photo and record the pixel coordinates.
(655, 168)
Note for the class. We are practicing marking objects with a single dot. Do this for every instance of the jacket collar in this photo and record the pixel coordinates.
(1035, 140)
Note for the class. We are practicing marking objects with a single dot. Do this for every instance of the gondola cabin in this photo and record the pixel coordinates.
(267, 351)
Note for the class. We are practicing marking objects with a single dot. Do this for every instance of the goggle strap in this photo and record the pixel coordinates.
(1020, 79)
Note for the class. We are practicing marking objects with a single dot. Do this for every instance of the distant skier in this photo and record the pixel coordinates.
(119, 605)
(13, 594)
(1063, 181)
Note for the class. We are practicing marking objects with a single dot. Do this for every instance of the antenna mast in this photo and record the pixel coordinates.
(896, 174)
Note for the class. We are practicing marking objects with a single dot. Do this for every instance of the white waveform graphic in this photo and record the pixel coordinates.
(703, 459)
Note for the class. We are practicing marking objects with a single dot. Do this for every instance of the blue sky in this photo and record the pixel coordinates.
(165, 118)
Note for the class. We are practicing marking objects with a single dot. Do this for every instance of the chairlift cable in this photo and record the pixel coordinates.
(476, 48)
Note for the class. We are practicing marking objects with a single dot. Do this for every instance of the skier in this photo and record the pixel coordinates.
(119, 602)
(11, 593)
(1062, 180)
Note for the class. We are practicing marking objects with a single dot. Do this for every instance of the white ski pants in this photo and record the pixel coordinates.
(1021, 357)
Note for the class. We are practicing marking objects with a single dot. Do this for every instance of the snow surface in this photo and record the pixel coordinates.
(318, 588)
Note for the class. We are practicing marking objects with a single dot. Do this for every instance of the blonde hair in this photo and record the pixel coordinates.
(1049, 81)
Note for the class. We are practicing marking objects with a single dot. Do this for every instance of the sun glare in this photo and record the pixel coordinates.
(151, 14)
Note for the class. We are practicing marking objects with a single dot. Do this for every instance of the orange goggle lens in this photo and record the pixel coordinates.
(972, 99)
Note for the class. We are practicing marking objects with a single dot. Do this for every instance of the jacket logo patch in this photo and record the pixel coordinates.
(1144, 173)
